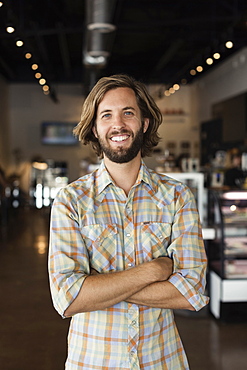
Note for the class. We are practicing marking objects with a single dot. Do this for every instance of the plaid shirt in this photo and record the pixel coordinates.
(94, 224)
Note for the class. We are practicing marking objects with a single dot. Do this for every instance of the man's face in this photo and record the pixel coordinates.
(119, 127)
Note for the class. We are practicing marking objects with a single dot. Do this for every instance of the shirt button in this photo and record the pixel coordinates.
(133, 322)
(130, 264)
(128, 235)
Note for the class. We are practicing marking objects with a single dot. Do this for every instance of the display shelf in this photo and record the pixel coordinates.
(228, 252)
(223, 291)
(236, 247)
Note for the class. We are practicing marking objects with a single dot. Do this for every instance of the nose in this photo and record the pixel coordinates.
(118, 121)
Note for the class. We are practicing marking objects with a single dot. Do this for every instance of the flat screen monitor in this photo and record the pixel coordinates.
(58, 133)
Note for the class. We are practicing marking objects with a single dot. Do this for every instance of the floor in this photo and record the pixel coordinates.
(32, 334)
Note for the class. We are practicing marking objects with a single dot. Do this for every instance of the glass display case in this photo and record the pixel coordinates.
(228, 251)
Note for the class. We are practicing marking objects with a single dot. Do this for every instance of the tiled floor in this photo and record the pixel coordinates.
(32, 334)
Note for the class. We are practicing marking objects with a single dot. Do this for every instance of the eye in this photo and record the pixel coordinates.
(106, 115)
(128, 113)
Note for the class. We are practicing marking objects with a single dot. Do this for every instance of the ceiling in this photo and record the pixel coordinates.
(156, 41)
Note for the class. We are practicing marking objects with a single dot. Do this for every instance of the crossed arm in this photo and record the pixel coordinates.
(145, 284)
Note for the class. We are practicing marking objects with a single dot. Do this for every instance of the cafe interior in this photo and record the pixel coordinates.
(192, 57)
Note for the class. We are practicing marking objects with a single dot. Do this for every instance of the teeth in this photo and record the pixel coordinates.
(119, 138)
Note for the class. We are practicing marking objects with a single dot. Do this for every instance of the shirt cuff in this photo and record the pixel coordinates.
(65, 296)
(193, 296)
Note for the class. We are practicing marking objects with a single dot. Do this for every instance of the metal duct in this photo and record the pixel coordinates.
(99, 33)
(100, 14)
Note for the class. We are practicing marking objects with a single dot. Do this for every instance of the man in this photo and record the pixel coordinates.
(126, 245)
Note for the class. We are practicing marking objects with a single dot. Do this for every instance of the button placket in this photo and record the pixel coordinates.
(129, 246)
(133, 320)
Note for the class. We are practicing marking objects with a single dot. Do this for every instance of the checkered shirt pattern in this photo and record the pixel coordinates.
(94, 225)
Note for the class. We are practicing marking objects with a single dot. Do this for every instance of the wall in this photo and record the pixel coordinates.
(179, 121)
(223, 82)
(28, 108)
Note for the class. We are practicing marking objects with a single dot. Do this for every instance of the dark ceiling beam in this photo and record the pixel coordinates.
(145, 26)
(131, 27)
(64, 50)
(42, 47)
(45, 32)
(168, 55)
(230, 6)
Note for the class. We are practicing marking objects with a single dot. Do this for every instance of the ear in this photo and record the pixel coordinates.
(95, 131)
(145, 124)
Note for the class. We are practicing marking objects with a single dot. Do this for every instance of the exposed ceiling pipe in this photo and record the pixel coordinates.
(99, 31)
(100, 15)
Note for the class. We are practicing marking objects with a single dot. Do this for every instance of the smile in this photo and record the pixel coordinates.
(120, 138)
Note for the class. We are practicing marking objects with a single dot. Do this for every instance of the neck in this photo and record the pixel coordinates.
(124, 174)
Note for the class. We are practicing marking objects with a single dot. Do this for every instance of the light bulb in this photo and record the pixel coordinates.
(10, 29)
(209, 61)
(229, 44)
(19, 43)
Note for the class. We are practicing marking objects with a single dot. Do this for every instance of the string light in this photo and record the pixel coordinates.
(42, 81)
(171, 90)
(10, 29)
(34, 67)
(209, 61)
(19, 43)
(216, 55)
(229, 44)
(176, 87)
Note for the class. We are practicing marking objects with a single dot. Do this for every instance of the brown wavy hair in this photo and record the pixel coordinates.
(145, 103)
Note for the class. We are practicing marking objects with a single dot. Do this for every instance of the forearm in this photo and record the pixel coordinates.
(105, 290)
(160, 295)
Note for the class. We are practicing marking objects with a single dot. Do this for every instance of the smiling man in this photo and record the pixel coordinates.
(125, 245)
(118, 114)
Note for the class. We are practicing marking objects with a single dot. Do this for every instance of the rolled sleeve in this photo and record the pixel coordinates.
(188, 253)
(68, 264)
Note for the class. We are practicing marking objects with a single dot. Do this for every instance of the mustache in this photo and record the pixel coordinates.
(120, 132)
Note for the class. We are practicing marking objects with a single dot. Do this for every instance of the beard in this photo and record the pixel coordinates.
(121, 154)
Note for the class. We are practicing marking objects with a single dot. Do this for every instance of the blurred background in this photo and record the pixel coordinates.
(192, 56)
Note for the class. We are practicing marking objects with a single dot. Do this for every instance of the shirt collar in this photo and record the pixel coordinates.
(104, 178)
(145, 176)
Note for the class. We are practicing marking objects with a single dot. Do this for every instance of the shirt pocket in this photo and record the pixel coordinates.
(155, 238)
(101, 243)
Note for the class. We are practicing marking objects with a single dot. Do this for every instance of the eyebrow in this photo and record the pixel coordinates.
(126, 108)
(110, 110)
